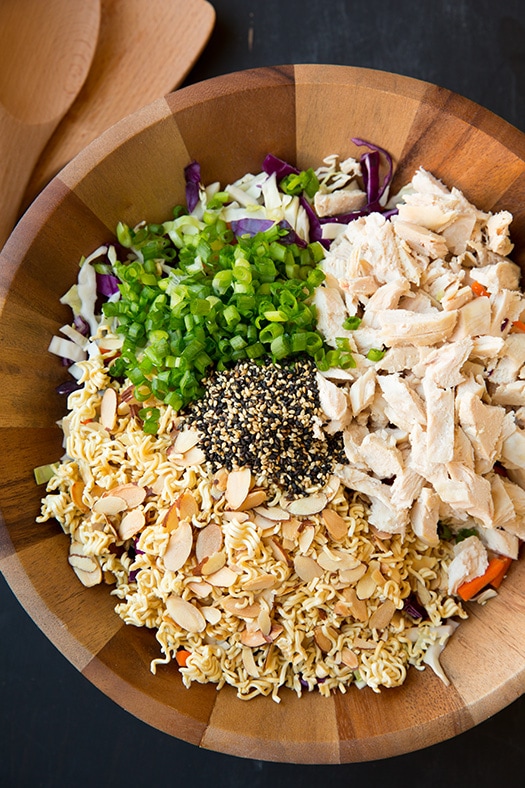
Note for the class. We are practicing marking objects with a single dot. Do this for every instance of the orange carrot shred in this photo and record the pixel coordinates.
(479, 290)
(497, 581)
(518, 325)
(182, 657)
(497, 566)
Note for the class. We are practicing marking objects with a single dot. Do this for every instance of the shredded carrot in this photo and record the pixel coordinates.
(182, 656)
(518, 325)
(497, 581)
(479, 290)
(497, 566)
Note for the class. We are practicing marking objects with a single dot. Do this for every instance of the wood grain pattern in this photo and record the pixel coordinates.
(145, 49)
(133, 172)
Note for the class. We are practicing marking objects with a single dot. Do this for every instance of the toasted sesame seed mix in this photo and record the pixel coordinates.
(262, 416)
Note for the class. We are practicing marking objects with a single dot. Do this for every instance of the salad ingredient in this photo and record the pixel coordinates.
(493, 575)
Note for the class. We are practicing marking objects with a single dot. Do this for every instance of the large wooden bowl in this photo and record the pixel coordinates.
(301, 113)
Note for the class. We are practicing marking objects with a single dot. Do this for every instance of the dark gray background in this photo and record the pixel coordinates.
(56, 729)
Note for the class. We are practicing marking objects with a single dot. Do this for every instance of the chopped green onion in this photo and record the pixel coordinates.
(375, 354)
(352, 323)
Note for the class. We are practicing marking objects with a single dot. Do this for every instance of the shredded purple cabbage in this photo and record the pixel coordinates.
(273, 164)
(371, 166)
(413, 608)
(107, 284)
(67, 387)
(250, 226)
(316, 230)
(81, 325)
(192, 174)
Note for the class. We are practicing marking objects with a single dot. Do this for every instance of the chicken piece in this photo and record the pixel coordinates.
(333, 400)
(454, 297)
(440, 421)
(397, 359)
(463, 449)
(503, 275)
(359, 481)
(459, 232)
(473, 319)
(499, 541)
(353, 436)
(517, 475)
(498, 233)
(506, 306)
(516, 524)
(443, 364)
(365, 338)
(510, 394)
(487, 347)
(403, 327)
(426, 213)
(361, 286)
(481, 423)
(406, 488)
(331, 313)
(340, 201)
(425, 183)
(381, 455)
(387, 519)
(419, 238)
(503, 506)
(362, 392)
(387, 296)
(513, 449)
(424, 517)
(403, 406)
(470, 561)
(469, 491)
(512, 359)
(417, 302)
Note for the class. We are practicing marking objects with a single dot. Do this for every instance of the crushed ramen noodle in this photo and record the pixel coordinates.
(240, 587)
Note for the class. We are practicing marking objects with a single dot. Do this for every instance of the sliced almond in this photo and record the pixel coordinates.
(235, 607)
(209, 541)
(260, 582)
(108, 409)
(337, 560)
(224, 578)
(358, 607)
(273, 513)
(349, 659)
(185, 615)
(306, 538)
(212, 614)
(366, 586)
(194, 456)
(306, 568)
(220, 479)
(336, 526)
(263, 522)
(187, 505)
(133, 494)
(132, 522)
(348, 576)
(240, 517)
(185, 441)
(238, 487)
(343, 609)
(76, 492)
(171, 520)
(332, 487)
(86, 567)
(253, 499)
(255, 638)
(249, 662)
(324, 642)
(382, 617)
(360, 643)
(290, 529)
(200, 589)
(309, 505)
(212, 563)
(110, 505)
(277, 550)
(264, 621)
(179, 547)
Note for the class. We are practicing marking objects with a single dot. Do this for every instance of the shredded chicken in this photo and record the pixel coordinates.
(427, 425)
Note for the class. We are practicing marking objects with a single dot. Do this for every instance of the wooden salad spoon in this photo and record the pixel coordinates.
(46, 50)
(145, 49)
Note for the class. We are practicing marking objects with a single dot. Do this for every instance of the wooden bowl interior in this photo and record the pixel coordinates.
(134, 172)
